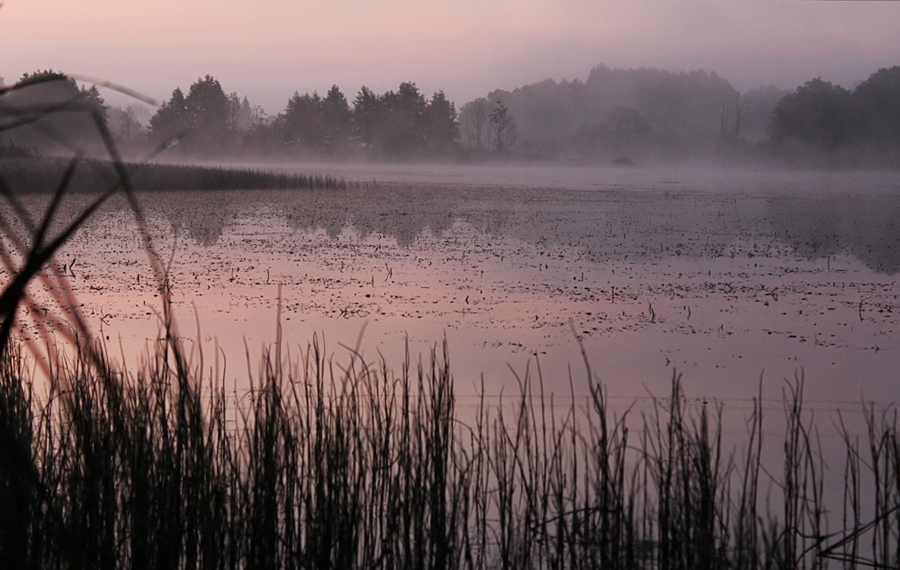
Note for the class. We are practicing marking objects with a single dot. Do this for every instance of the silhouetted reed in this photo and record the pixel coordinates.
(40, 175)
(323, 466)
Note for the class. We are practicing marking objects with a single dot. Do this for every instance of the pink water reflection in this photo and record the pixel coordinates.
(724, 280)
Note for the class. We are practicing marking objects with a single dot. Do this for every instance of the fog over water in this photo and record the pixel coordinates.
(725, 276)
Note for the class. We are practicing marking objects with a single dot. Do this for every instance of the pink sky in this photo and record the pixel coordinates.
(269, 48)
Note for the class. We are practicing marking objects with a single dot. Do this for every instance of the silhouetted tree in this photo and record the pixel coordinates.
(302, 122)
(320, 125)
(474, 118)
(441, 124)
(71, 123)
(503, 127)
(876, 103)
(208, 113)
(397, 124)
(405, 121)
(368, 113)
(336, 121)
(205, 117)
(170, 118)
(93, 99)
(815, 117)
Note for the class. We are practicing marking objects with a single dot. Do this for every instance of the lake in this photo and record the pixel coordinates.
(725, 276)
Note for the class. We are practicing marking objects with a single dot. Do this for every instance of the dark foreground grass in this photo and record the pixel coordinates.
(323, 466)
(41, 175)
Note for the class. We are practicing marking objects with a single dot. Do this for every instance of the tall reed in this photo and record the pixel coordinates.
(39, 174)
(360, 466)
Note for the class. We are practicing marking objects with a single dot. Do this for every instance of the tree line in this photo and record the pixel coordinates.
(649, 115)
(826, 123)
(396, 124)
(654, 115)
(207, 122)
(49, 111)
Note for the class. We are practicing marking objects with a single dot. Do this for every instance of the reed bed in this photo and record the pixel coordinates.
(41, 175)
(361, 466)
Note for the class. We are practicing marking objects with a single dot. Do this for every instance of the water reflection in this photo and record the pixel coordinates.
(403, 217)
(597, 225)
(866, 227)
(318, 211)
(709, 281)
(203, 215)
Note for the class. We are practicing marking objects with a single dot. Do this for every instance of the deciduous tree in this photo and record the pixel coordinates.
(876, 104)
(474, 118)
(441, 123)
(815, 117)
(72, 121)
(503, 127)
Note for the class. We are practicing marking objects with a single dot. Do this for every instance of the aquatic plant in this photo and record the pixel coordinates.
(32, 175)
(357, 465)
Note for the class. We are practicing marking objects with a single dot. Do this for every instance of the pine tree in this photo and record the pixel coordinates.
(443, 128)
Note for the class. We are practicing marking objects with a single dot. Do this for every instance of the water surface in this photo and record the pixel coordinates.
(724, 276)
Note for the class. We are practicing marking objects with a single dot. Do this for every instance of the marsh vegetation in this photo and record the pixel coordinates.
(41, 175)
(326, 464)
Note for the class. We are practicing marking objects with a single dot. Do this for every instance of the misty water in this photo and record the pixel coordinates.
(726, 276)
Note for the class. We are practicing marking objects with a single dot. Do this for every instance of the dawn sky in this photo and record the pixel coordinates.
(269, 48)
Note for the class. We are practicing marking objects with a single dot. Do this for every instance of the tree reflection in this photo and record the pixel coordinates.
(867, 228)
(403, 217)
(203, 215)
(601, 227)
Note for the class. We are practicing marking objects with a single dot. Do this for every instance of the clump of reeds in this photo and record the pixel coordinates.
(11, 150)
(35, 174)
(321, 466)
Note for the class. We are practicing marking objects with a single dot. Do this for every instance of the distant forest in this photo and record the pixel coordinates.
(615, 115)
